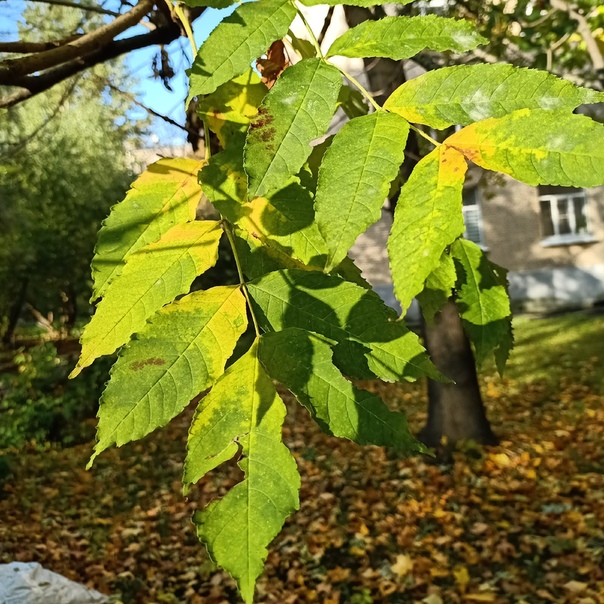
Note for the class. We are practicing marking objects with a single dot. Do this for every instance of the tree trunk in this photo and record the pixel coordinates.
(15, 314)
(455, 411)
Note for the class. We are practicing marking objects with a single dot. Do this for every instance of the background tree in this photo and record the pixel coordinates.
(63, 163)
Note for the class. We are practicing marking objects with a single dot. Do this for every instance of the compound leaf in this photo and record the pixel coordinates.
(165, 195)
(243, 411)
(239, 39)
(428, 218)
(303, 363)
(537, 147)
(469, 93)
(297, 110)
(151, 277)
(347, 313)
(403, 37)
(178, 354)
(483, 302)
(354, 178)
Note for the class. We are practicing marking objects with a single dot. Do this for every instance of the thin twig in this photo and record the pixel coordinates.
(326, 25)
(69, 4)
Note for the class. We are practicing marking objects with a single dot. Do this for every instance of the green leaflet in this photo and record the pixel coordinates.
(483, 302)
(427, 219)
(179, 353)
(351, 315)
(354, 178)
(237, 41)
(303, 364)
(210, 3)
(403, 37)
(439, 287)
(365, 3)
(243, 411)
(297, 110)
(166, 194)
(537, 147)
(231, 107)
(284, 220)
(468, 93)
(151, 277)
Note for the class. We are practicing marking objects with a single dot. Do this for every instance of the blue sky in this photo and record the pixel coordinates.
(149, 91)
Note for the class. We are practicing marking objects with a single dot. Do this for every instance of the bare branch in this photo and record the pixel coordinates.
(32, 85)
(19, 47)
(88, 43)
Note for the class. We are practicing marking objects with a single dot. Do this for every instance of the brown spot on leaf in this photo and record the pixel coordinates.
(140, 364)
(263, 119)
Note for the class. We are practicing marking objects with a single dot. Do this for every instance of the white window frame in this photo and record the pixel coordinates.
(573, 236)
(476, 207)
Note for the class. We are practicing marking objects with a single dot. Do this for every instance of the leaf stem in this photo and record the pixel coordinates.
(364, 92)
(426, 136)
(313, 38)
(185, 23)
(227, 228)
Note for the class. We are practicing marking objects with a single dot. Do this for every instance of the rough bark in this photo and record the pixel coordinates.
(455, 411)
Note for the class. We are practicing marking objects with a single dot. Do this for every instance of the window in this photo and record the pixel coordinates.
(563, 215)
(472, 216)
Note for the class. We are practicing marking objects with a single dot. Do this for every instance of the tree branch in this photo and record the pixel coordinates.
(19, 47)
(585, 32)
(32, 85)
(93, 41)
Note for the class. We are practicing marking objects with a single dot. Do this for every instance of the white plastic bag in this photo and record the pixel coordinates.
(31, 583)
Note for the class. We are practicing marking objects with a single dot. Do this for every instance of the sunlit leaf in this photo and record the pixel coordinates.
(537, 147)
(151, 277)
(355, 176)
(232, 106)
(403, 37)
(468, 93)
(237, 41)
(427, 219)
(296, 111)
(243, 411)
(165, 195)
(177, 355)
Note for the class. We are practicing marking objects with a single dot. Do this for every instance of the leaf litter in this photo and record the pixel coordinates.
(522, 522)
